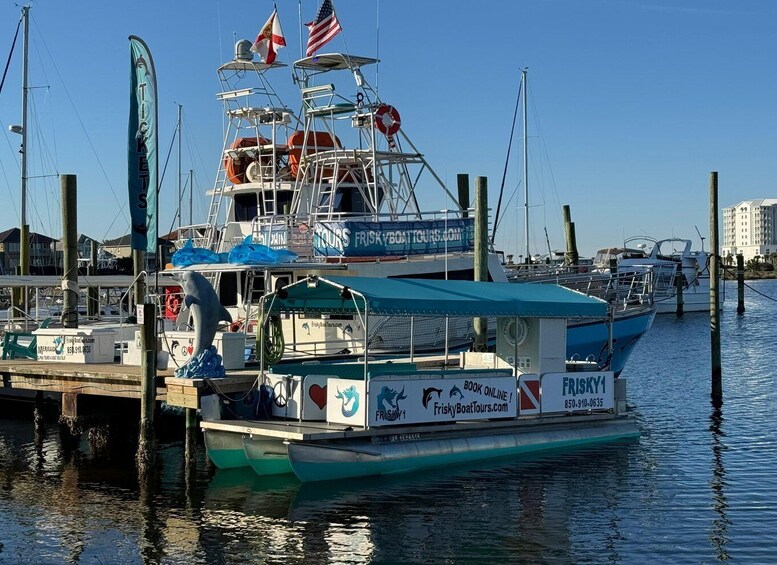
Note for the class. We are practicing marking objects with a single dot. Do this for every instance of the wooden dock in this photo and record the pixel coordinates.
(111, 380)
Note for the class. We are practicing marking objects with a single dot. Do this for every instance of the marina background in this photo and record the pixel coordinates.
(633, 102)
(697, 487)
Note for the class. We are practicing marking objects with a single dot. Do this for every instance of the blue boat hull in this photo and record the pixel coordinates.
(589, 340)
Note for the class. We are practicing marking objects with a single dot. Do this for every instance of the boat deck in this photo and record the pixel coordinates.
(317, 431)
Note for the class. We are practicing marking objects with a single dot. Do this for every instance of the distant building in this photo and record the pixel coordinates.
(120, 247)
(749, 228)
(85, 246)
(43, 253)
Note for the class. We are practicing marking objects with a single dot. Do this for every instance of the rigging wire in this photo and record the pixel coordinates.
(507, 162)
(10, 53)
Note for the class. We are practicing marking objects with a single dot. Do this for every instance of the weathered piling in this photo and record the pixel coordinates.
(148, 347)
(480, 325)
(679, 283)
(740, 283)
(572, 256)
(462, 179)
(190, 443)
(717, 373)
(68, 195)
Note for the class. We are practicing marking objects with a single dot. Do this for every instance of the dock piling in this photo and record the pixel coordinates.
(462, 180)
(144, 457)
(572, 256)
(717, 373)
(68, 192)
(740, 283)
(679, 283)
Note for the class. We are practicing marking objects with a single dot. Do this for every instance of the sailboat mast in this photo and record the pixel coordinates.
(525, 164)
(24, 244)
(180, 194)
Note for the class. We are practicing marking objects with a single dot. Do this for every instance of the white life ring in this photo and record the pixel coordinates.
(514, 334)
(387, 119)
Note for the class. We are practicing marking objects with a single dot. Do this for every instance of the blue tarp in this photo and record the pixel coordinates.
(423, 297)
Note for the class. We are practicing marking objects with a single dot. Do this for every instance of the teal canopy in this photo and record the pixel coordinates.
(424, 297)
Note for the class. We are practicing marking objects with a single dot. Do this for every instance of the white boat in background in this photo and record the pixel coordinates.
(672, 261)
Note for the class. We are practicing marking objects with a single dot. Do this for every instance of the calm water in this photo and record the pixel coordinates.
(698, 487)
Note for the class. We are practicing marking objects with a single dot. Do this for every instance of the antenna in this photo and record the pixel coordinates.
(700, 237)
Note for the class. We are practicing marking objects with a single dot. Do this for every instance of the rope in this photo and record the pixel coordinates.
(758, 292)
(271, 339)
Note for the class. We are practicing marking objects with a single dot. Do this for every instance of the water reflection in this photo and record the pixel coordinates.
(719, 530)
(533, 508)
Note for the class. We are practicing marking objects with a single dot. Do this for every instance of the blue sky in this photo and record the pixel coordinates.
(631, 103)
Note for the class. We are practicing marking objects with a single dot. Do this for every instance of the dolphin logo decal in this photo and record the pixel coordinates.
(306, 327)
(428, 395)
(456, 390)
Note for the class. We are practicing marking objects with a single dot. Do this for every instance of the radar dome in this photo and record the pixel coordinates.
(243, 50)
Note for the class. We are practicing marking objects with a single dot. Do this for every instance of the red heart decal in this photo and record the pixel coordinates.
(318, 395)
(190, 349)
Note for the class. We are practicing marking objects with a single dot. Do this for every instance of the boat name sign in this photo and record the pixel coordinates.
(564, 392)
(367, 239)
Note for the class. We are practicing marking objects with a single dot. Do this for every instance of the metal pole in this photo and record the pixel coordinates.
(24, 243)
(180, 194)
(717, 372)
(191, 196)
(526, 162)
(480, 325)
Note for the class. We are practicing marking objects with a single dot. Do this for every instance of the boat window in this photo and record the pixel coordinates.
(284, 200)
(228, 289)
(246, 207)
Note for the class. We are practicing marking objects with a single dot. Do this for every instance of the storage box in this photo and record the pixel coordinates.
(132, 355)
(76, 345)
(231, 346)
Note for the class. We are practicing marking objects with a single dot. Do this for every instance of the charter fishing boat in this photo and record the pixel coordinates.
(673, 263)
(325, 421)
(337, 188)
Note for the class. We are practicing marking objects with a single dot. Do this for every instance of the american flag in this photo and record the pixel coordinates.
(323, 29)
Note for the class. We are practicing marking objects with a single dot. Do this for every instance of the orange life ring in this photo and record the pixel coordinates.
(236, 168)
(387, 119)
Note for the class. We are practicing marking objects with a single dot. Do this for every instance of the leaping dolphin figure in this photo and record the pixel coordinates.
(205, 308)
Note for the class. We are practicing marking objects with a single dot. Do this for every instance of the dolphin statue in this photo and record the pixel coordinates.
(205, 308)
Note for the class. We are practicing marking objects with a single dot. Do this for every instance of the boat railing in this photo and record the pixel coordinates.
(199, 234)
(623, 288)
